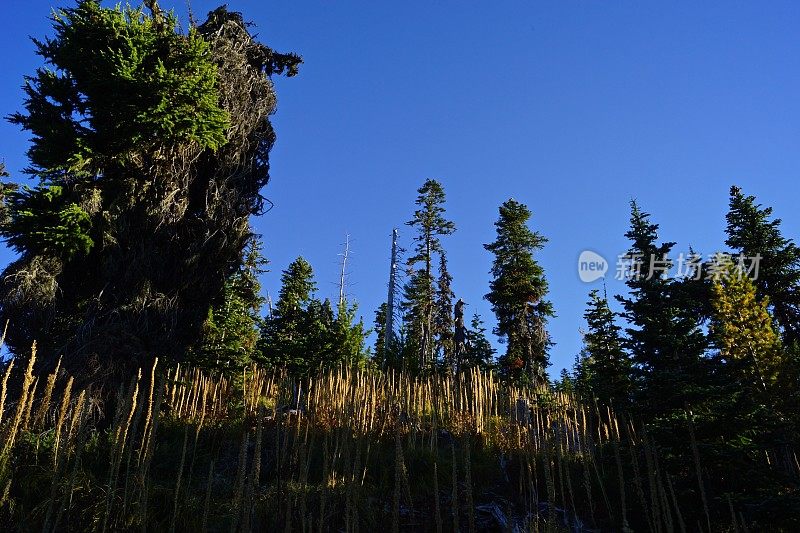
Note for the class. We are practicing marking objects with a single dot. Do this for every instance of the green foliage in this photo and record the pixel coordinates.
(664, 336)
(604, 370)
(428, 315)
(479, 351)
(444, 324)
(230, 334)
(518, 293)
(379, 327)
(151, 146)
(304, 334)
(385, 356)
(284, 335)
(752, 232)
(44, 220)
(348, 336)
(116, 81)
(565, 382)
(742, 331)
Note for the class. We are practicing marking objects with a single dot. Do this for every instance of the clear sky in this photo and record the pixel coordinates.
(571, 107)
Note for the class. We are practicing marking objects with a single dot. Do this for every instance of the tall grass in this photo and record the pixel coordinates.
(346, 449)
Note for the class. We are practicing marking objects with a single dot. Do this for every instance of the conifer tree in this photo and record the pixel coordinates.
(604, 367)
(565, 382)
(752, 231)
(296, 321)
(518, 293)
(742, 329)
(664, 339)
(420, 291)
(348, 337)
(415, 323)
(444, 323)
(230, 334)
(479, 351)
(756, 404)
(379, 327)
(387, 355)
(306, 334)
(582, 376)
(150, 145)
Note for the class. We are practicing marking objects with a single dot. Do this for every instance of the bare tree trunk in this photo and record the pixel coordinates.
(343, 273)
(388, 334)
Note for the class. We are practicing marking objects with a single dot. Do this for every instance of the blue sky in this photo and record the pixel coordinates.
(571, 107)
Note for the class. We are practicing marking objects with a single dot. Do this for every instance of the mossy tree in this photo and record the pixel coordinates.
(150, 145)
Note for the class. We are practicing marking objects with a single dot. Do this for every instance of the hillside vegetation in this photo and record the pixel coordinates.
(350, 450)
(152, 386)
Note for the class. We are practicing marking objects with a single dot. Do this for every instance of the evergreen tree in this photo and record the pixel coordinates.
(296, 322)
(383, 355)
(230, 333)
(348, 337)
(756, 407)
(379, 348)
(297, 289)
(664, 338)
(742, 329)
(150, 146)
(604, 366)
(753, 232)
(517, 294)
(306, 334)
(479, 351)
(582, 376)
(444, 322)
(565, 382)
(415, 320)
(420, 291)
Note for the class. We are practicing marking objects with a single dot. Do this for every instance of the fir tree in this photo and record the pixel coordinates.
(479, 351)
(306, 334)
(387, 356)
(742, 329)
(420, 291)
(752, 232)
(757, 404)
(517, 294)
(565, 382)
(297, 288)
(415, 321)
(379, 348)
(604, 368)
(348, 337)
(664, 338)
(150, 145)
(444, 323)
(296, 319)
(230, 334)
(582, 376)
